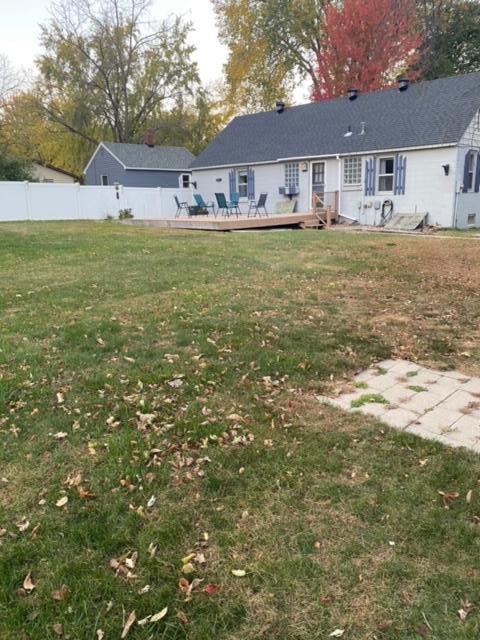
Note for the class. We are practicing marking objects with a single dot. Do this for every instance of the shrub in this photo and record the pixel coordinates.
(125, 214)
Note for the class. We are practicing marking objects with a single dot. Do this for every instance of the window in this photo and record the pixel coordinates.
(352, 171)
(470, 160)
(47, 180)
(472, 219)
(185, 180)
(292, 176)
(104, 181)
(385, 174)
(243, 183)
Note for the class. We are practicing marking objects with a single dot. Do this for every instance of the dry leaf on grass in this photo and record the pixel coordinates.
(338, 633)
(28, 583)
(61, 594)
(465, 608)
(99, 635)
(61, 502)
(158, 616)
(58, 629)
(181, 616)
(448, 496)
(211, 589)
(130, 620)
(468, 497)
(239, 573)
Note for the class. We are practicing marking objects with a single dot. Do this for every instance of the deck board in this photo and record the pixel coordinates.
(209, 223)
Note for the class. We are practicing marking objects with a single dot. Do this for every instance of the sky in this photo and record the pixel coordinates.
(19, 31)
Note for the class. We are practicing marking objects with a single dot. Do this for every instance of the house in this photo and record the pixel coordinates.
(410, 149)
(139, 165)
(48, 173)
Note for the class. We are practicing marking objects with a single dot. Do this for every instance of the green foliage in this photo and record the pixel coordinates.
(14, 169)
(452, 32)
(272, 43)
(417, 388)
(125, 214)
(368, 398)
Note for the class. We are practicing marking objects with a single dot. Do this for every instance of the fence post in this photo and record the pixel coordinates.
(27, 199)
(77, 200)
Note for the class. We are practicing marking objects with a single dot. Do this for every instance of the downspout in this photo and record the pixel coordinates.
(455, 207)
(339, 184)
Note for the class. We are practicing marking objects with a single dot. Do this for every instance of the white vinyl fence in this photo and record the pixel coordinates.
(47, 201)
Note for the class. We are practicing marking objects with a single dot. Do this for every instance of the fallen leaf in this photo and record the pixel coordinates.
(338, 633)
(239, 573)
(130, 620)
(132, 560)
(58, 629)
(99, 634)
(60, 435)
(183, 585)
(468, 497)
(28, 584)
(188, 558)
(144, 590)
(384, 625)
(211, 589)
(61, 594)
(23, 525)
(181, 616)
(62, 502)
(158, 616)
(448, 496)
(465, 608)
(188, 568)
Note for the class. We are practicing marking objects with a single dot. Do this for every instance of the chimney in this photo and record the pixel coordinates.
(403, 84)
(148, 139)
(280, 106)
(352, 94)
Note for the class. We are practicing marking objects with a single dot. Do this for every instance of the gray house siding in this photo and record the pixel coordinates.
(104, 164)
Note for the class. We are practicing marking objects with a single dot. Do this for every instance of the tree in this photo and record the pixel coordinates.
(13, 168)
(452, 37)
(102, 70)
(11, 79)
(273, 44)
(366, 45)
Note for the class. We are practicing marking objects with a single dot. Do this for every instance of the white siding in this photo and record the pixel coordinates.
(467, 203)
(46, 174)
(427, 188)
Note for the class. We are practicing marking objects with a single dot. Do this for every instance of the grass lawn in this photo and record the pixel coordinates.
(157, 400)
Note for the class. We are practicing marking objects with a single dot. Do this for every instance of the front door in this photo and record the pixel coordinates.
(318, 184)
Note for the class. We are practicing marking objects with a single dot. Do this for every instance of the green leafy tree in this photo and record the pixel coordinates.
(13, 168)
(106, 67)
(452, 37)
(272, 44)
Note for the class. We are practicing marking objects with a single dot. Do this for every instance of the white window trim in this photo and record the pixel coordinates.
(353, 186)
(102, 183)
(242, 170)
(473, 171)
(180, 180)
(384, 175)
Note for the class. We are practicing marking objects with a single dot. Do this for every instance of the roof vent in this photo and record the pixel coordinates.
(363, 128)
(148, 139)
(348, 133)
(352, 94)
(280, 106)
(403, 84)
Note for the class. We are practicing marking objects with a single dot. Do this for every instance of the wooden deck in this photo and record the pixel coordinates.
(209, 223)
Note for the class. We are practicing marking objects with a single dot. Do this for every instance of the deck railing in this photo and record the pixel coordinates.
(325, 207)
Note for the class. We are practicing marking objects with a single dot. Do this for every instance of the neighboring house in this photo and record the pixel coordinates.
(416, 146)
(139, 165)
(47, 173)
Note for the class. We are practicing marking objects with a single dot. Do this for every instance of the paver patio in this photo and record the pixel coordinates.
(437, 405)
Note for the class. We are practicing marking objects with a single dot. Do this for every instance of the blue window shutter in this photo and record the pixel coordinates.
(477, 174)
(397, 171)
(251, 184)
(367, 177)
(232, 182)
(465, 172)
(404, 176)
(373, 175)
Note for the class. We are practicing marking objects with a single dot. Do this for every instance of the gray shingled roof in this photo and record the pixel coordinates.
(427, 113)
(139, 156)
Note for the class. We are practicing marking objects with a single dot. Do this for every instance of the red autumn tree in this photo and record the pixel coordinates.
(366, 44)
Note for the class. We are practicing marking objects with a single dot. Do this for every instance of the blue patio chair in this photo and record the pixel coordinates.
(226, 208)
(204, 205)
(256, 206)
(234, 204)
